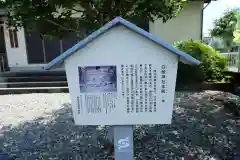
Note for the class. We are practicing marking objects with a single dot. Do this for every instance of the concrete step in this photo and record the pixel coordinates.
(33, 84)
(33, 79)
(33, 90)
(32, 73)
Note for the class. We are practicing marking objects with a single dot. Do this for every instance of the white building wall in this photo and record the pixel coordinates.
(186, 25)
(16, 56)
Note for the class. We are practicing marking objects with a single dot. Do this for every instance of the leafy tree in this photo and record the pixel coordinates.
(212, 65)
(56, 17)
(224, 27)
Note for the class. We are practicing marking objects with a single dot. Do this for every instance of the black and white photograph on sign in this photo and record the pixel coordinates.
(94, 79)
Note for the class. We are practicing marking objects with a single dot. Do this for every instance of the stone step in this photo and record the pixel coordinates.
(36, 73)
(33, 90)
(33, 84)
(33, 79)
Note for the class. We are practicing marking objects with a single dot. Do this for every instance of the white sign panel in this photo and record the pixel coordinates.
(127, 83)
(121, 91)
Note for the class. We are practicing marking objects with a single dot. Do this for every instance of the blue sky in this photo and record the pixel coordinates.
(215, 10)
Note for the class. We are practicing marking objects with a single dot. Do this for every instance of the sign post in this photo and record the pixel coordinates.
(122, 84)
(123, 142)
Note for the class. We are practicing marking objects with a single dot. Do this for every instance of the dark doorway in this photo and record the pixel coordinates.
(68, 43)
(52, 49)
(34, 49)
(40, 51)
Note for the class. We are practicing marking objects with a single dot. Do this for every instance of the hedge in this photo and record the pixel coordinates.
(212, 63)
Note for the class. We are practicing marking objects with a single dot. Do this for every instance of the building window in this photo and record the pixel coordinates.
(13, 38)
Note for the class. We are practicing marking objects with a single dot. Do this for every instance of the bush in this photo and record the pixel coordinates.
(212, 63)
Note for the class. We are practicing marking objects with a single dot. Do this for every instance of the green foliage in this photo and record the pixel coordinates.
(56, 17)
(212, 63)
(224, 27)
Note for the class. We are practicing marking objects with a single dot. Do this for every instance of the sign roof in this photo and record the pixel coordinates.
(185, 58)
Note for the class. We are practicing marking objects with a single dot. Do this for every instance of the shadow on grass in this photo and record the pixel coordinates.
(200, 127)
(53, 137)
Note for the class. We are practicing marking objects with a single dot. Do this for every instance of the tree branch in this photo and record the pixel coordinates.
(61, 26)
(77, 10)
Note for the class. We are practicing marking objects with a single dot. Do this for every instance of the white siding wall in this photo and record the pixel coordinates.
(17, 57)
(186, 25)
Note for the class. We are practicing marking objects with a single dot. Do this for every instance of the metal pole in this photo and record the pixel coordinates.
(61, 46)
(123, 142)
(44, 52)
(3, 66)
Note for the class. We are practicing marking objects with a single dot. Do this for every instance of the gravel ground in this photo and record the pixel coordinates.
(40, 127)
